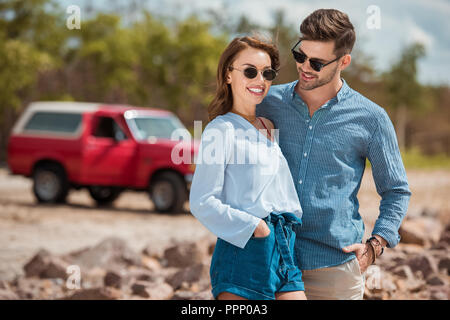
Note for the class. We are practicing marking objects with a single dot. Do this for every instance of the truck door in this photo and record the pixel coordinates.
(109, 153)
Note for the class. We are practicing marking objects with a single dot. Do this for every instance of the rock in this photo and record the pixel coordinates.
(34, 288)
(444, 264)
(189, 275)
(187, 254)
(189, 295)
(140, 288)
(439, 293)
(37, 264)
(387, 282)
(111, 252)
(436, 280)
(44, 265)
(424, 263)
(106, 293)
(93, 278)
(151, 263)
(141, 274)
(403, 272)
(4, 285)
(445, 238)
(429, 212)
(151, 290)
(113, 279)
(423, 231)
(8, 295)
(56, 268)
(153, 251)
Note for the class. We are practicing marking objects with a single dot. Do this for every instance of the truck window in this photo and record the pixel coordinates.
(108, 128)
(54, 122)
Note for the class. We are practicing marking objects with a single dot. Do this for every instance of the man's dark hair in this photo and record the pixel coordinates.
(330, 25)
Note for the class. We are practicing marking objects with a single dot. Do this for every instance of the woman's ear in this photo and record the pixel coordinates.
(228, 78)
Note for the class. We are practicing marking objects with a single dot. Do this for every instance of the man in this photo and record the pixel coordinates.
(326, 132)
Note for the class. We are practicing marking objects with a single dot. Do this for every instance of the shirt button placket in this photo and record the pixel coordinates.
(306, 148)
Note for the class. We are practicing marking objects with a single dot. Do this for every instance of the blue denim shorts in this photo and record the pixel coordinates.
(263, 267)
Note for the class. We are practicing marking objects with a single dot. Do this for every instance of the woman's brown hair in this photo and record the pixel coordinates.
(223, 99)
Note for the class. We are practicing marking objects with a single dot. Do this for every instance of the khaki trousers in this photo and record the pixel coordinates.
(342, 282)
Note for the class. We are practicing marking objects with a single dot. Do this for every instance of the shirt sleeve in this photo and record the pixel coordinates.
(230, 224)
(390, 180)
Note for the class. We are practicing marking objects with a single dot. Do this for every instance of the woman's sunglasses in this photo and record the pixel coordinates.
(315, 65)
(252, 72)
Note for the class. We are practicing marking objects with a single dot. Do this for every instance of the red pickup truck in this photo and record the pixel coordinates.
(105, 148)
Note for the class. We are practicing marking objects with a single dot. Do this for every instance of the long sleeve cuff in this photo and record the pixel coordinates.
(388, 231)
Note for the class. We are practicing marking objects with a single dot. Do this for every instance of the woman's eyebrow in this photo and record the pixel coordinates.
(251, 65)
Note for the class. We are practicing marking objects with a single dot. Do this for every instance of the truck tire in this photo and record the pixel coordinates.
(104, 196)
(50, 183)
(168, 192)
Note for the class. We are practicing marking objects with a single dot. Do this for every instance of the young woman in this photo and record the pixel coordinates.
(242, 189)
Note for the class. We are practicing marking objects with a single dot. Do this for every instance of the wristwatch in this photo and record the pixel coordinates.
(374, 242)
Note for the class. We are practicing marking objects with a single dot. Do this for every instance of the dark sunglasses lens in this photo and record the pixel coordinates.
(299, 57)
(250, 73)
(269, 74)
(317, 66)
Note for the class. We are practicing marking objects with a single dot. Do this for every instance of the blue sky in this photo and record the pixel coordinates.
(401, 23)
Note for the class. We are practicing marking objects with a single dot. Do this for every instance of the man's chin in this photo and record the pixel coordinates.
(307, 86)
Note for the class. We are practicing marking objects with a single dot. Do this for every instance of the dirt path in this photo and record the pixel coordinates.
(25, 226)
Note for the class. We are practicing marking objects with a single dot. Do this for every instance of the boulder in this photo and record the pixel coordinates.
(153, 251)
(106, 293)
(436, 279)
(439, 293)
(189, 295)
(34, 288)
(114, 279)
(111, 252)
(424, 263)
(423, 231)
(151, 263)
(152, 290)
(8, 295)
(186, 254)
(189, 275)
(444, 264)
(45, 265)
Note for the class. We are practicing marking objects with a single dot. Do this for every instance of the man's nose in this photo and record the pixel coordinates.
(306, 66)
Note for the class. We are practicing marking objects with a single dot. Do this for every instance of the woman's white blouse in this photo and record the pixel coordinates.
(240, 177)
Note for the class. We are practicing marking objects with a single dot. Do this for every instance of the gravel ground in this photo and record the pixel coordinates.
(26, 226)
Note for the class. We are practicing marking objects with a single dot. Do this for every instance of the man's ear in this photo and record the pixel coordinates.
(345, 62)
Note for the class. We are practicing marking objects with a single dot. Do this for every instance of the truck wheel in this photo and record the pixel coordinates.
(168, 192)
(104, 196)
(50, 184)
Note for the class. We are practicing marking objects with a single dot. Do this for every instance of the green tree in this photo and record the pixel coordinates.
(194, 59)
(28, 47)
(404, 92)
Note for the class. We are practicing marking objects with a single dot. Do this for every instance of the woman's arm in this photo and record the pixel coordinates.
(230, 224)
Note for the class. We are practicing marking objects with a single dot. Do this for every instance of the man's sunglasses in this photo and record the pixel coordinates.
(252, 72)
(315, 65)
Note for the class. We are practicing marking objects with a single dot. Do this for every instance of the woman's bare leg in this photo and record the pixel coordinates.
(291, 295)
(229, 296)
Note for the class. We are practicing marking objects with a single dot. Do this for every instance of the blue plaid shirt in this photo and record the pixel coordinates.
(326, 154)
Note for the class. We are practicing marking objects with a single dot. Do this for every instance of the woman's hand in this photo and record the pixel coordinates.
(262, 230)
